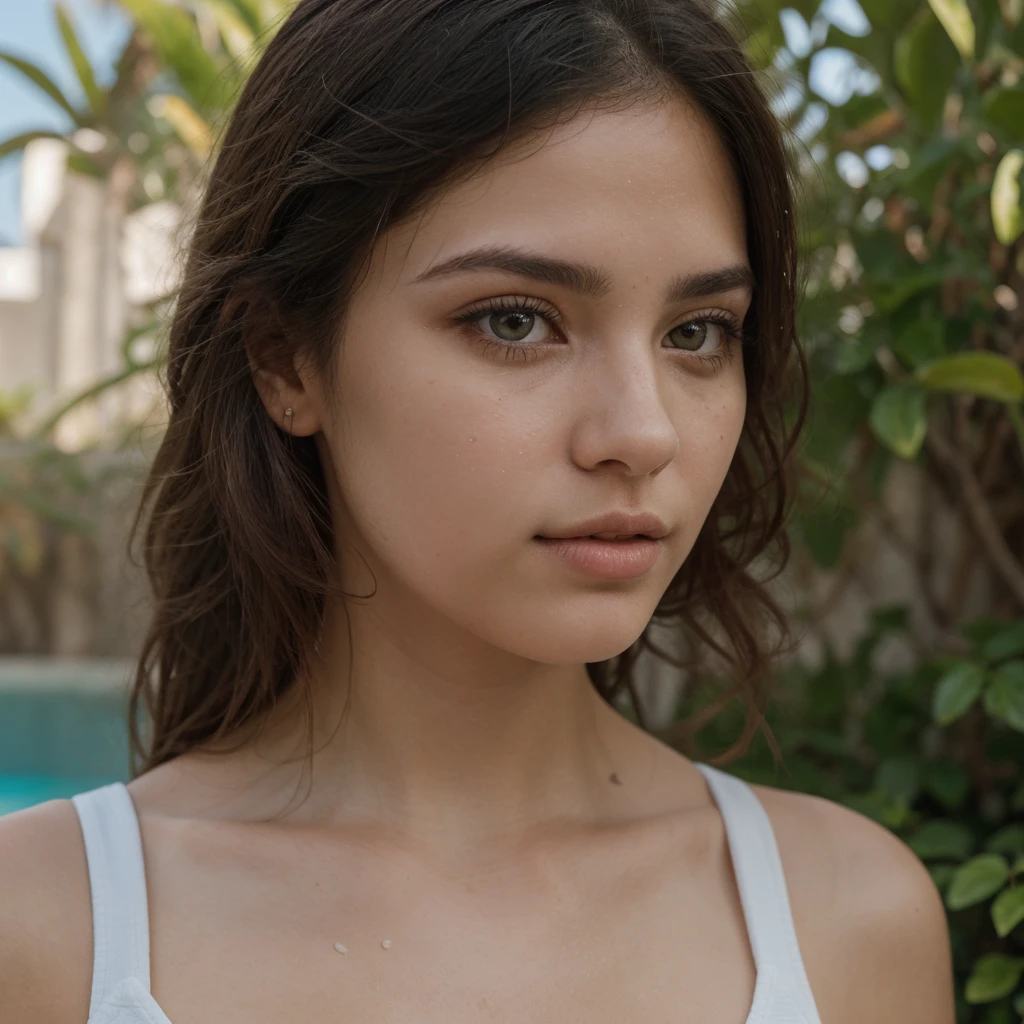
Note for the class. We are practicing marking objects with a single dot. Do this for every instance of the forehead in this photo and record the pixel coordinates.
(633, 190)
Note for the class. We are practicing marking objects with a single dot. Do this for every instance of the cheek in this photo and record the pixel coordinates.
(428, 460)
(709, 424)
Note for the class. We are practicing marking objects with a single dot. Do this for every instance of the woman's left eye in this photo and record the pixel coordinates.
(693, 335)
(517, 326)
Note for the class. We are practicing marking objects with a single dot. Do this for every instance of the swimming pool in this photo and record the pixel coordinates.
(63, 728)
(20, 791)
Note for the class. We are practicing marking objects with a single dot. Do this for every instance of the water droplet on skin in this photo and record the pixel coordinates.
(340, 948)
(386, 943)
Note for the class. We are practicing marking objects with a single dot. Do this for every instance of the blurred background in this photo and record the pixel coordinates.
(905, 696)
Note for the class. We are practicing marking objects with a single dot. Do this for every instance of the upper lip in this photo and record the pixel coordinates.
(628, 523)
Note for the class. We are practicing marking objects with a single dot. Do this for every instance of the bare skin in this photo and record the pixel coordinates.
(464, 809)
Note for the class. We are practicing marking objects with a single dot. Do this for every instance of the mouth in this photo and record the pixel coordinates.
(608, 537)
(612, 556)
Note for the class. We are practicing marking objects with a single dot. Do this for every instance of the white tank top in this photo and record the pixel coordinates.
(120, 978)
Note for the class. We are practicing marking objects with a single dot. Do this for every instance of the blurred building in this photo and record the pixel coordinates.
(71, 293)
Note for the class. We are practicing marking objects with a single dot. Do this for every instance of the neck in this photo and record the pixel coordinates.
(440, 736)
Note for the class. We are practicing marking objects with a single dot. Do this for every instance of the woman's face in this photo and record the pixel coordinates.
(581, 361)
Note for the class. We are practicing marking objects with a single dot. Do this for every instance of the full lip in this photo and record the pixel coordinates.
(628, 523)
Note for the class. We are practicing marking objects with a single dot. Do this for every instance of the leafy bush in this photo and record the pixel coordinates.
(934, 754)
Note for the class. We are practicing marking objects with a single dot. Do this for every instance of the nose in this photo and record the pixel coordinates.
(623, 420)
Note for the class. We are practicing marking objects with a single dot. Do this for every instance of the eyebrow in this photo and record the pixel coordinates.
(584, 278)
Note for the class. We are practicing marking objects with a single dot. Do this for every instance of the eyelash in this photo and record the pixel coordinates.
(524, 304)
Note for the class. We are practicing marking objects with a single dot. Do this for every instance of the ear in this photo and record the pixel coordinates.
(279, 366)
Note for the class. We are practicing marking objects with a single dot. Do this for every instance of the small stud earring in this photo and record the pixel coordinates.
(288, 413)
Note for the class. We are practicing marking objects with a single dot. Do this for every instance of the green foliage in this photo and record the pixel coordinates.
(175, 83)
(913, 320)
(918, 752)
(1006, 210)
(94, 97)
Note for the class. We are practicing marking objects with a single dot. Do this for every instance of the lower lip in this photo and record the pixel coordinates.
(609, 559)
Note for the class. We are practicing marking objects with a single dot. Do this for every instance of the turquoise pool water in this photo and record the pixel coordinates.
(63, 728)
(20, 791)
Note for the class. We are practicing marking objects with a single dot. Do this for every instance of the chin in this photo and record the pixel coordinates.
(570, 642)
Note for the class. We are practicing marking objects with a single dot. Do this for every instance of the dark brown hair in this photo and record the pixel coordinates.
(356, 115)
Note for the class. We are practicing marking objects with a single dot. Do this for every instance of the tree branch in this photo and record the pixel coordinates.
(1001, 558)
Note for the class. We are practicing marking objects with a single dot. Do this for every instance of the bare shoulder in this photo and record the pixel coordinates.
(45, 916)
(865, 908)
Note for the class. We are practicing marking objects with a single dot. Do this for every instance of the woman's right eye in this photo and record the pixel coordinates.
(514, 326)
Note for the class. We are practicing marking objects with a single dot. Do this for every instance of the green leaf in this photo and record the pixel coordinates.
(888, 16)
(19, 142)
(824, 531)
(922, 341)
(851, 355)
(958, 689)
(42, 80)
(176, 38)
(986, 374)
(942, 839)
(760, 47)
(1007, 218)
(994, 975)
(899, 777)
(948, 783)
(235, 31)
(1005, 644)
(957, 21)
(841, 409)
(925, 65)
(1004, 695)
(981, 629)
(1009, 841)
(942, 875)
(982, 876)
(857, 110)
(93, 94)
(84, 163)
(897, 419)
(188, 125)
(252, 13)
(889, 292)
(1004, 107)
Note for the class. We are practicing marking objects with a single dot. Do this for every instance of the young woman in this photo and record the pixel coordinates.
(475, 372)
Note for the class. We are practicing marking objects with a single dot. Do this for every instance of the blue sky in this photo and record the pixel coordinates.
(28, 28)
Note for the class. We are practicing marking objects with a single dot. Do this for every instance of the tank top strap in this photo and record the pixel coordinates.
(117, 878)
(760, 879)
